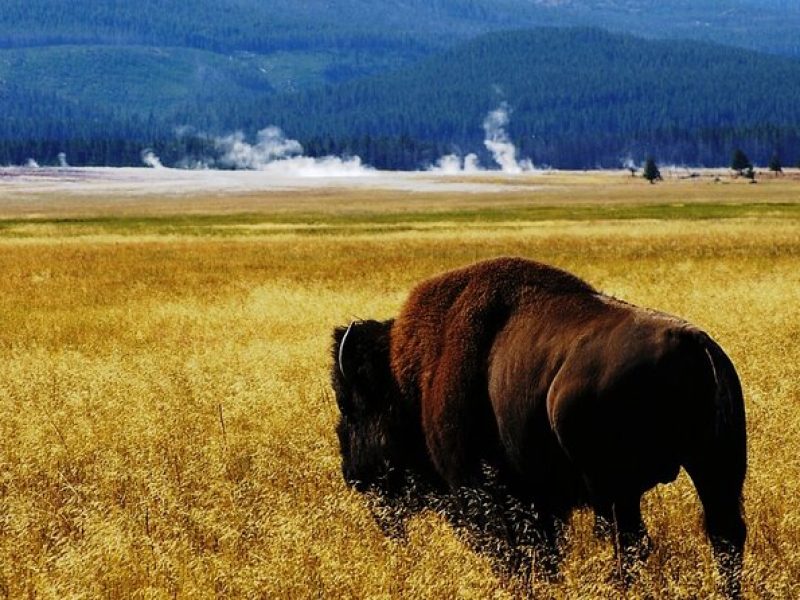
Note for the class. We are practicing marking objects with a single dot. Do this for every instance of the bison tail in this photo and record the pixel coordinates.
(719, 471)
(729, 426)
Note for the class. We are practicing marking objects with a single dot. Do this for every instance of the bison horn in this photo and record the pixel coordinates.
(341, 349)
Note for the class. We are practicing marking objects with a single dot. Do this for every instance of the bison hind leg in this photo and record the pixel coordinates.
(618, 518)
(632, 543)
(720, 493)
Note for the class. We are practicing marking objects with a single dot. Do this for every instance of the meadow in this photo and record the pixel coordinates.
(166, 419)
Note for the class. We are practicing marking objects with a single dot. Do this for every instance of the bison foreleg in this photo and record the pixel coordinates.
(482, 524)
(496, 523)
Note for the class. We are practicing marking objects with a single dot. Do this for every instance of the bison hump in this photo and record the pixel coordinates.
(467, 307)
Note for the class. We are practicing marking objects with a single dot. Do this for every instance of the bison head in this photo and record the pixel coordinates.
(374, 429)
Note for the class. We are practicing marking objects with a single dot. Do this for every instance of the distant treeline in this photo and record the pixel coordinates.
(405, 153)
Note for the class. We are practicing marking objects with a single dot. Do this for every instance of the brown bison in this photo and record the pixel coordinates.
(520, 385)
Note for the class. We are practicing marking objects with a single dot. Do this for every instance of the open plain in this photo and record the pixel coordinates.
(166, 421)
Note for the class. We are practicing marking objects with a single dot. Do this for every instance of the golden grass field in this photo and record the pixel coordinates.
(166, 422)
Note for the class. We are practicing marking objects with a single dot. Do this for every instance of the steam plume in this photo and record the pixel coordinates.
(150, 159)
(453, 164)
(499, 144)
(270, 145)
(62, 160)
(275, 153)
(496, 141)
(32, 164)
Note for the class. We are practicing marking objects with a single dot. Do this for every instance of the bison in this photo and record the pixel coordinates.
(521, 385)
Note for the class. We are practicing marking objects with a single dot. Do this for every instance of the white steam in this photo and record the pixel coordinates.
(453, 164)
(150, 159)
(499, 144)
(275, 153)
(32, 164)
(496, 141)
(271, 145)
(62, 160)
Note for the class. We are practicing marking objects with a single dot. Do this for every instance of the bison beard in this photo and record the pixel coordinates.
(508, 393)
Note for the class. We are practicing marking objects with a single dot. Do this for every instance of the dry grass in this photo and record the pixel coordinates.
(167, 426)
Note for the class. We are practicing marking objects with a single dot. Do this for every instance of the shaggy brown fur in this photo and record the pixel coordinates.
(569, 397)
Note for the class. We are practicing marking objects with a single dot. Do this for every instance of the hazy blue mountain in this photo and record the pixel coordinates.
(268, 25)
(287, 45)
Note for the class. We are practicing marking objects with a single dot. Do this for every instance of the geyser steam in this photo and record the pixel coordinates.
(270, 145)
(453, 164)
(497, 142)
(150, 159)
(275, 153)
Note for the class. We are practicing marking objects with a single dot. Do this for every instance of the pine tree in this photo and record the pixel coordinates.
(740, 162)
(651, 172)
(775, 164)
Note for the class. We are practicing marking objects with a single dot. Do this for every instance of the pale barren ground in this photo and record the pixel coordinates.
(166, 423)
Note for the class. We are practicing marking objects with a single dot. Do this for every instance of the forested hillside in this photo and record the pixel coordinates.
(580, 98)
(97, 88)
